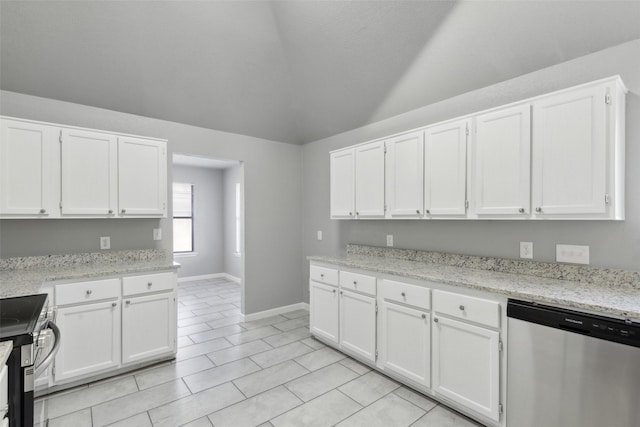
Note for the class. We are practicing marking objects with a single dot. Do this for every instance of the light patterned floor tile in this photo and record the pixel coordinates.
(369, 388)
(77, 419)
(326, 410)
(220, 374)
(280, 354)
(237, 352)
(140, 420)
(321, 381)
(153, 377)
(441, 416)
(320, 358)
(416, 398)
(391, 410)
(285, 338)
(269, 378)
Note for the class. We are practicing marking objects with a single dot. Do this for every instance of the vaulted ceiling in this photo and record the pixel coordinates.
(291, 71)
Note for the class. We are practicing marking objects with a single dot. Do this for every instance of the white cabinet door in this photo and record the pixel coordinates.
(89, 173)
(405, 342)
(404, 170)
(358, 325)
(445, 169)
(369, 174)
(142, 177)
(501, 162)
(90, 340)
(342, 169)
(466, 365)
(570, 153)
(323, 312)
(148, 327)
(29, 168)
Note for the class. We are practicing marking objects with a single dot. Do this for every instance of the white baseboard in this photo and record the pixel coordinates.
(209, 276)
(275, 311)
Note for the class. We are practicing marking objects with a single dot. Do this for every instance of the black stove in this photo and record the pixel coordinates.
(19, 317)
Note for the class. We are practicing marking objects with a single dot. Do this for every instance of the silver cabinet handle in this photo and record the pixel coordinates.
(89, 291)
(350, 213)
(427, 211)
(355, 283)
(521, 210)
(150, 284)
(43, 210)
(538, 209)
(418, 211)
(424, 316)
(110, 211)
(461, 308)
(321, 275)
(123, 211)
(334, 291)
(113, 304)
(403, 294)
(127, 302)
(357, 213)
(340, 292)
(436, 320)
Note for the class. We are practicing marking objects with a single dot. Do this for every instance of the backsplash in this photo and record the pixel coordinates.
(70, 260)
(548, 270)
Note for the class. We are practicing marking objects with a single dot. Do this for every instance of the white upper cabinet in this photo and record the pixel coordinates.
(369, 174)
(404, 169)
(89, 173)
(578, 161)
(445, 171)
(501, 158)
(142, 177)
(342, 184)
(29, 169)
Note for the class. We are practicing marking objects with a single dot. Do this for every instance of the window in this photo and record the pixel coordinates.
(238, 218)
(182, 217)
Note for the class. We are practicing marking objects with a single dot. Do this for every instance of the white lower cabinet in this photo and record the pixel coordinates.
(324, 312)
(405, 342)
(358, 324)
(90, 341)
(148, 327)
(466, 365)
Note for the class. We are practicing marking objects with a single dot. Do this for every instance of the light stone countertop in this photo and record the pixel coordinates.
(26, 281)
(5, 352)
(606, 297)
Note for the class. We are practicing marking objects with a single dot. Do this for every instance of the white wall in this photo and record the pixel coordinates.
(612, 244)
(272, 179)
(208, 220)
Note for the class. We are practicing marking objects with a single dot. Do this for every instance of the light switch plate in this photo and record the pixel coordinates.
(389, 239)
(319, 234)
(105, 242)
(526, 250)
(157, 234)
(572, 253)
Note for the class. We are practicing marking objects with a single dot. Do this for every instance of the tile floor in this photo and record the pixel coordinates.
(268, 372)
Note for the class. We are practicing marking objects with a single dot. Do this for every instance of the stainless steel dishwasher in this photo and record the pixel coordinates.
(571, 369)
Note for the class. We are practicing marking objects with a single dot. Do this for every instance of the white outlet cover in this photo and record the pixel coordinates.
(105, 242)
(574, 254)
(389, 239)
(526, 250)
(319, 234)
(157, 234)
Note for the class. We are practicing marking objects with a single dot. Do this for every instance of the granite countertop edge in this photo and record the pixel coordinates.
(606, 299)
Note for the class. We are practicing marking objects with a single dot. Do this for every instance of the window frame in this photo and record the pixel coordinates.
(192, 218)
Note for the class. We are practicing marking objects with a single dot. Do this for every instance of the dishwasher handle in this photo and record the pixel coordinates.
(54, 350)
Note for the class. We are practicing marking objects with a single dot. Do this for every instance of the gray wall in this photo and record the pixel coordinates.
(272, 182)
(232, 260)
(208, 220)
(612, 244)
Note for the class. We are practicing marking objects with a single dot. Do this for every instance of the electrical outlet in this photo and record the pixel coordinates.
(157, 234)
(526, 250)
(572, 253)
(389, 239)
(319, 234)
(105, 242)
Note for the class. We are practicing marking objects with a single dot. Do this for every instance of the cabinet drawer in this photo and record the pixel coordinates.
(416, 296)
(147, 283)
(83, 292)
(358, 282)
(482, 311)
(324, 275)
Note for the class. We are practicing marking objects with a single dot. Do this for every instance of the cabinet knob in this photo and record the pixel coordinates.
(149, 284)
(350, 213)
(127, 302)
(521, 210)
(418, 211)
(110, 211)
(89, 291)
(538, 209)
(113, 304)
(123, 211)
(340, 292)
(427, 211)
(334, 291)
(357, 213)
(43, 210)
(355, 283)
(424, 316)
(461, 308)
(436, 320)
(322, 275)
(403, 294)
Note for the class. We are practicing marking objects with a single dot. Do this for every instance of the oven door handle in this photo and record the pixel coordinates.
(56, 346)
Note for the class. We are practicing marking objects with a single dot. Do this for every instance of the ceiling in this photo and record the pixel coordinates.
(290, 71)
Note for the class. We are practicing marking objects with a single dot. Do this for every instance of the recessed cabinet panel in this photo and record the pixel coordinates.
(358, 325)
(445, 160)
(141, 177)
(343, 184)
(466, 365)
(501, 162)
(28, 181)
(404, 170)
(570, 152)
(89, 173)
(370, 180)
(323, 312)
(406, 342)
